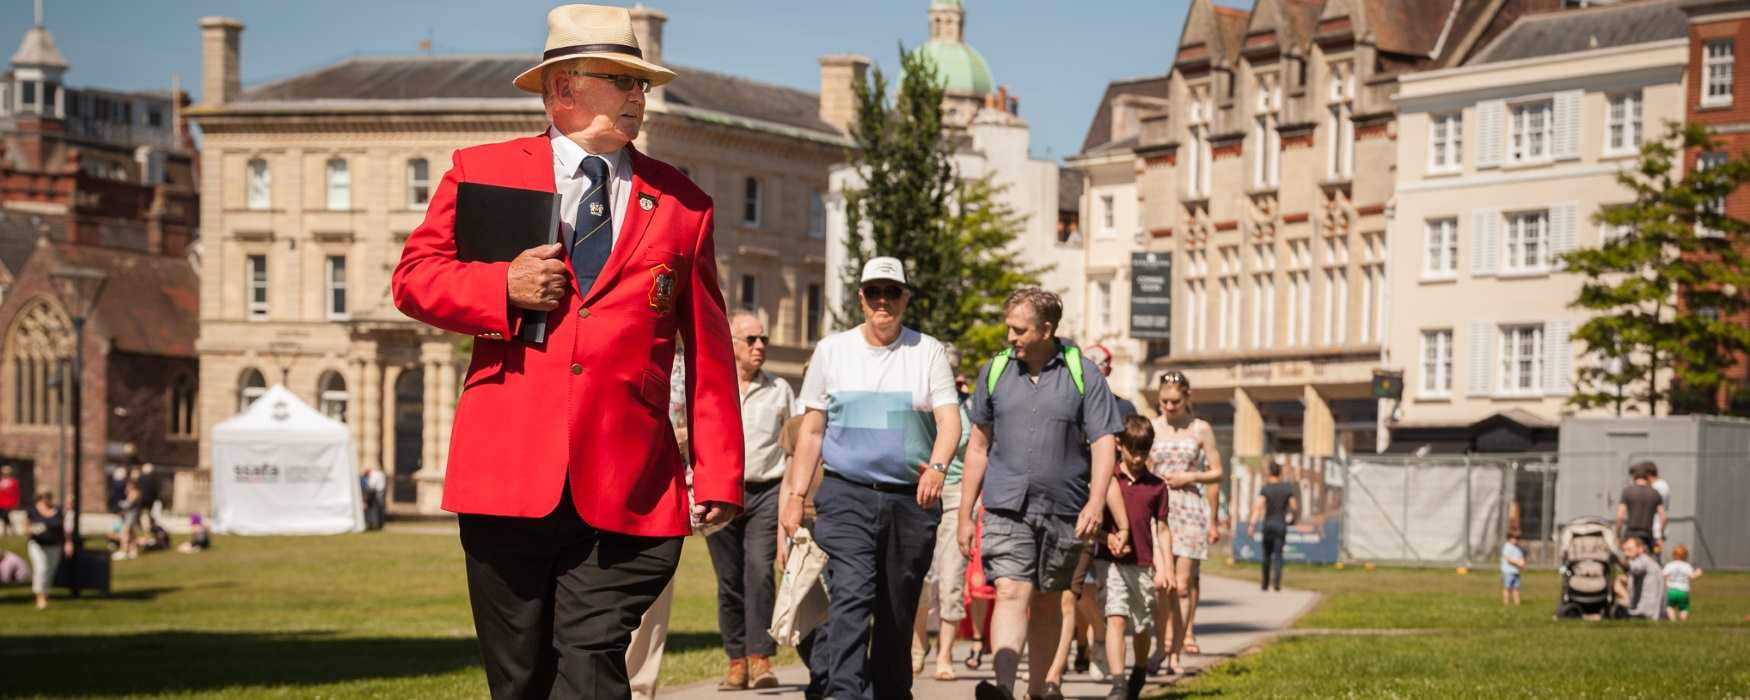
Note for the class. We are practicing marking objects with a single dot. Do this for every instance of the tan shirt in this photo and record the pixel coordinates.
(765, 404)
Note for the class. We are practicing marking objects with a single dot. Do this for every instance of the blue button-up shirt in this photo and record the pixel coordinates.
(1040, 432)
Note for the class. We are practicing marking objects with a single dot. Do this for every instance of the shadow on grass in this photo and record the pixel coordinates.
(160, 662)
(23, 596)
(688, 641)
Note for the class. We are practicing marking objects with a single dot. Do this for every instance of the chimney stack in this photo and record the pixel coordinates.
(647, 27)
(839, 76)
(221, 79)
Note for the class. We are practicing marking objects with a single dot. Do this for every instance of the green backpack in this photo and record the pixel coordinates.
(1072, 358)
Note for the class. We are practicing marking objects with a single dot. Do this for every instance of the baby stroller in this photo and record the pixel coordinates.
(1589, 557)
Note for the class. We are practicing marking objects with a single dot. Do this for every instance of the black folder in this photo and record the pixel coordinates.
(495, 224)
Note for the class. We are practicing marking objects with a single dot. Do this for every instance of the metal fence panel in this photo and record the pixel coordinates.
(1435, 510)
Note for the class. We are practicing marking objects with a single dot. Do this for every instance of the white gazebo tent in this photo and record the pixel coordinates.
(282, 468)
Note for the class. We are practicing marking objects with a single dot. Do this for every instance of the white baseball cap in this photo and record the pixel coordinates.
(883, 268)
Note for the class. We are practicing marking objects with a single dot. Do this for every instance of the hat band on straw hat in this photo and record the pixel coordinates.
(551, 54)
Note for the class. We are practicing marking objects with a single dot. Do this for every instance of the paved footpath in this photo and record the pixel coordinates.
(1233, 617)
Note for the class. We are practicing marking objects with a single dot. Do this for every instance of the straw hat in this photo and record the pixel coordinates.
(592, 31)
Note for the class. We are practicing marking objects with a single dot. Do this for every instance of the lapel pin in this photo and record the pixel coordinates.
(595, 209)
(646, 202)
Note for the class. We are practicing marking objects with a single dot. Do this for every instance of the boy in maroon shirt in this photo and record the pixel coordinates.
(1128, 563)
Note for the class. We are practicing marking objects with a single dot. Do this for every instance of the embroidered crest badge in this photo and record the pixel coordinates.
(662, 289)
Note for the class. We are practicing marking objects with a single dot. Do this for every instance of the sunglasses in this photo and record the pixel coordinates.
(621, 81)
(883, 291)
(751, 339)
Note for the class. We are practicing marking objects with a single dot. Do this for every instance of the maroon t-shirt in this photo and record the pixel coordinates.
(1144, 498)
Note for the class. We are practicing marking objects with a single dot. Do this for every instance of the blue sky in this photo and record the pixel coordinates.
(1056, 56)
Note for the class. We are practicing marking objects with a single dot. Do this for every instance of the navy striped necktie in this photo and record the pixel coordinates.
(593, 234)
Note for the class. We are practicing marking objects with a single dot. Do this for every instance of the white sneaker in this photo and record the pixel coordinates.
(1097, 670)
(118, 556)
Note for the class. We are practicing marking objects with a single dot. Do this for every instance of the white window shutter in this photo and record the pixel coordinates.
(1482, 339)
(1490, 115)
(1567, 126)
(1558, 362)
(1485, 257)
(1564, 224)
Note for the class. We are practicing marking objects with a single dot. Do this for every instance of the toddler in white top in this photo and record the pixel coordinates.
(1678, 575)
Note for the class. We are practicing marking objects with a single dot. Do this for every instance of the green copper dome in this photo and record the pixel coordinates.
(959, 66)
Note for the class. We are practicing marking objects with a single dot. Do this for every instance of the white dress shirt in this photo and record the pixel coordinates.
(571, 183)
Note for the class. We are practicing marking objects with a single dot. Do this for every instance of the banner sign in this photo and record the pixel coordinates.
(1151, 296)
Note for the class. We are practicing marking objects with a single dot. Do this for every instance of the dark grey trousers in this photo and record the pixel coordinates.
(743, 554)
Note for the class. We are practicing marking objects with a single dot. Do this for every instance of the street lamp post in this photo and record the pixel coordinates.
(78, 289)
(58, 385)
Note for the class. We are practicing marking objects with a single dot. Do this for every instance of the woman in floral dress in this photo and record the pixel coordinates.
(1185, 456)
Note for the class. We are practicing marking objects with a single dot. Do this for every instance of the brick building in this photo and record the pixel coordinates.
(1716, 29)
(101, 180)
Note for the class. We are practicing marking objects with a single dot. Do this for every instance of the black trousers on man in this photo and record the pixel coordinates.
(742, 555)
(555, 601)
(1275, 536)
(878, 545)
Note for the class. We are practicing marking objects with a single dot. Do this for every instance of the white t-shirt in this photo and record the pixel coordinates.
(1664, 490)
(879, 403)
(1677, 575)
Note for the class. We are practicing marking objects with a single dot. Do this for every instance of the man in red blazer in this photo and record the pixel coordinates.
(563, 468)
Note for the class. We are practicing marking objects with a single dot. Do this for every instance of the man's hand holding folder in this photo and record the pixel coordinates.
(508, 224)
(537, 278)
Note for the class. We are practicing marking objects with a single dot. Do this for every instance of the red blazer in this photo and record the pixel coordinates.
(592, 402)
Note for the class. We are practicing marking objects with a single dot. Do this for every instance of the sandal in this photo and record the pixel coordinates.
(1192, 648)
(945, 672)
(975, 659)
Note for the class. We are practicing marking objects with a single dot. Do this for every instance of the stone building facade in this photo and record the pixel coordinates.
(313, 183)
(1264, 169)
(1502, 164)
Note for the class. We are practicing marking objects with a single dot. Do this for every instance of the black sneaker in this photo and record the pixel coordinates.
(1119, 691)
(987, 690)
(1138, 679)
(1081, 658)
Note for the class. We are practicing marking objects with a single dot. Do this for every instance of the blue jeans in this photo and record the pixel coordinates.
(878, 546)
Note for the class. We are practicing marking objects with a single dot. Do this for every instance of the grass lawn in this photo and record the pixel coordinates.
(369, 615)
(1454, 639)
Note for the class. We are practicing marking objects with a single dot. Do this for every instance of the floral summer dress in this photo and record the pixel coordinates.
(1187, 511)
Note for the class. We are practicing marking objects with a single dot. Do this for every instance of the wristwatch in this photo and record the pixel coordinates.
(939, 468)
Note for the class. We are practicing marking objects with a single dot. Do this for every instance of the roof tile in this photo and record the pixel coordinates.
(489, 77)
(1570, 31)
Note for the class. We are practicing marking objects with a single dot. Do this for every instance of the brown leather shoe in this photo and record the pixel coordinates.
(759, 673)
(736, 677)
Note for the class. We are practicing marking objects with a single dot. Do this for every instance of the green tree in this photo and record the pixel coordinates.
(1668, 294)
(955, 238)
